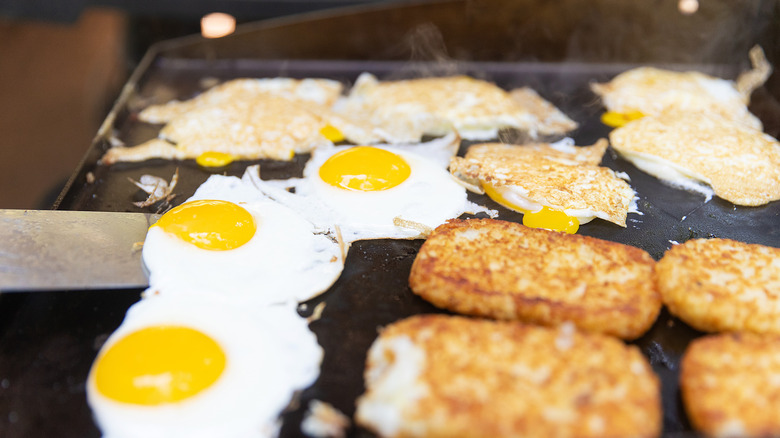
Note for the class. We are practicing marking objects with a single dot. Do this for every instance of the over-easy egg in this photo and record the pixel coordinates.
(652, 91)
(556, 186)
(372, 192)
(229, 241)
(200, 368)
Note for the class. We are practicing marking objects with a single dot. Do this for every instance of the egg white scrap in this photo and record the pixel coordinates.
(270, 354)
(427, 198)
(287, 259)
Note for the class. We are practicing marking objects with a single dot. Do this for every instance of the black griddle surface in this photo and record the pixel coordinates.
(48, 340)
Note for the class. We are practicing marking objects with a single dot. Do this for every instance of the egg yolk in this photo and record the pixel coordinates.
(210, 224)
(550, 219)
(365, 168)
(616, 120)
(214, 159)
(546, 218)
(332, 133)
(159, 364)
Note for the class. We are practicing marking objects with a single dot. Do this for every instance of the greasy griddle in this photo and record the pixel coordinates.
(49, 340)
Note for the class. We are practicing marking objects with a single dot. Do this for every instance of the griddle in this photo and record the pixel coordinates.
(48, 340)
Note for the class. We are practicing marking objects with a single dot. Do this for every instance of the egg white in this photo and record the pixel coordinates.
(428, 198)
(665, 170)
(270, 354)
(286, 260)
(653, 91)
(518, 196)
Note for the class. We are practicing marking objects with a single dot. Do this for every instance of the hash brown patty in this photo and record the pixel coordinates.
(447, 376)
(719, 285)
(504, 270)
(730, 384)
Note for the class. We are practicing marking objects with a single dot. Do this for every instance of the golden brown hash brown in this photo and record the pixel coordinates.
(481, 378)
(505, 270)
(730, 384)
(722, 285)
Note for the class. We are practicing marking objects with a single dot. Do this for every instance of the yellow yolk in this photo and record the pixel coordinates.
(210, 224)
(546, 218)
(161, 364)
(365, 168)
(332, 133)
(550, 219)
(214, 159)
(616, 120)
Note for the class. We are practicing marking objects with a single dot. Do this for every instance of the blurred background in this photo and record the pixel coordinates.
(63, 63)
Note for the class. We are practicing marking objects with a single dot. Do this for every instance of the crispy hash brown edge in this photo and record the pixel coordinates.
(718, 285)
(443, 376)
(459, 279)
(729, 384)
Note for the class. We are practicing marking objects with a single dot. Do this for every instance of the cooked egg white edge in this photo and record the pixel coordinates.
(487, 128)
(478, 133)
(518, 196)
(312, 209)
(439, 150)
(243, 401)
(670, 172)
(307, 262)
(565, 145)
(392, 384)
(311, 89)
(325, 216)
(720, 89)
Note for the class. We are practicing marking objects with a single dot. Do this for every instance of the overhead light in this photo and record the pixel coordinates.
(217, 25)
(688, 7)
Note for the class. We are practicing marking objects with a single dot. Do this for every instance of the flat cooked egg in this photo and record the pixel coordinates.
(200, 368)
(270, 127)
(370, 192)
(230, 241)
(319, 91)
(408, 109)
(272, 118)
(705, 153)
(651, 91)
(555, 186)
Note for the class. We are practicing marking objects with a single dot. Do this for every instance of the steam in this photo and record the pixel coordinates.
(718, 34)
(427, 53)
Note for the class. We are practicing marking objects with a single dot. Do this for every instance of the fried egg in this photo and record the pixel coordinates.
(368, 192)
(248, 119)
(556, 186)
(704, 153)
(651, 91)
(230, 241)
(319, 91)
(200, 368)
(408, 109)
